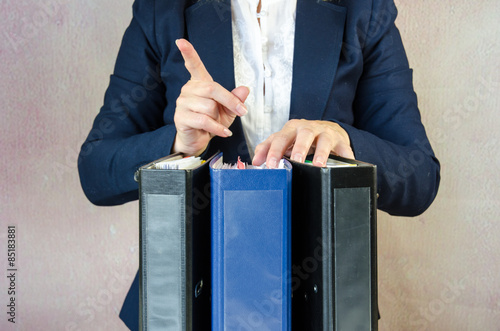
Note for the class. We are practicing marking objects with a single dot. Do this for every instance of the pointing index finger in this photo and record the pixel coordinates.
(192, 61)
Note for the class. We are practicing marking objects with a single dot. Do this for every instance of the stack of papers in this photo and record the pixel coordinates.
(219, 164)
(176, 163)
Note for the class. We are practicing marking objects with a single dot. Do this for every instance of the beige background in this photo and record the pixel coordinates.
(438, 271)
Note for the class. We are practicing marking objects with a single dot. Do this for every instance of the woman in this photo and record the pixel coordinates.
(324, 77)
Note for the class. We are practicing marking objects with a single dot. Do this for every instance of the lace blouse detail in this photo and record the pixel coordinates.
(263, 61)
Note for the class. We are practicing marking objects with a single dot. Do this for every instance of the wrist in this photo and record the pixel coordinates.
(179, 147)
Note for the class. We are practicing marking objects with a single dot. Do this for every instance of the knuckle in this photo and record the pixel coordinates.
(200, 121)
(307, 132)
(208, 89)
(208, 106)
(280, 136)
(263, 145)
(181, 100)
(300, 147)
(332, 129)
(185, 88)
(294, 122)
(329, 135)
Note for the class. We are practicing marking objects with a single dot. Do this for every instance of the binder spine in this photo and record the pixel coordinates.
(328, 241)
(198, 312)
(334, 233)
(251, 258)
(354, 217)
(187, 253)
(217, 238)
(162, 251)
(373, 248)
(312, 253)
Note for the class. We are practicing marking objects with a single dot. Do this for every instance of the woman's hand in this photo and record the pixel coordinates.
(204, 108)
(299, 138)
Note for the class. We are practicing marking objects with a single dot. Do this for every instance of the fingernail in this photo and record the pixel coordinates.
(298, 157)
(228, 132)
(273, 163)
(241, 109)
(319, 161)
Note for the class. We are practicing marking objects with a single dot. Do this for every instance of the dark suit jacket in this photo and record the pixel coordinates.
(349, 67)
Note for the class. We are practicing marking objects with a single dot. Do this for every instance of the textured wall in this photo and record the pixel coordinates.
(440, 271)
(75, 261)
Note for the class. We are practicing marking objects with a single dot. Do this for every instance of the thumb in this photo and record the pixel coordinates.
(241, 92)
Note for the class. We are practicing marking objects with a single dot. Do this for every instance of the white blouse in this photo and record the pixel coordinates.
(263, 61)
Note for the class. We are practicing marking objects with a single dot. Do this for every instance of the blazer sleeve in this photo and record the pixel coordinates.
(129, 130)
(387, 129)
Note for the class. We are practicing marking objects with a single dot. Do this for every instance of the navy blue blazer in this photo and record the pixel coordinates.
(349, 67)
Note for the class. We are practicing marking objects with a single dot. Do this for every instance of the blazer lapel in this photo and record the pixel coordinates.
(208, 25)
(319, 29)
(208, 28)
